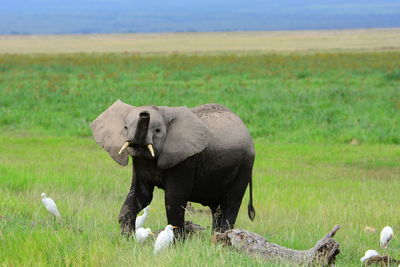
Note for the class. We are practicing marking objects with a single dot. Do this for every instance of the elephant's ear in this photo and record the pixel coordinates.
(186, 136)
(108, 130)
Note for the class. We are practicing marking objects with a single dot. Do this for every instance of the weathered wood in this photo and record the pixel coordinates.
(191, 227)
(322, 254)
(381, 261)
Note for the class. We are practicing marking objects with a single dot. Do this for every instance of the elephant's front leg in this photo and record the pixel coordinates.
(175, 207)
(139, 196)
(178, 188)
(127, 215)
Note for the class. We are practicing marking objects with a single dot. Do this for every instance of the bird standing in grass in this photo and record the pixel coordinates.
(141, 234)
(164, 239)
(386, 236)
(50, 205)
(368, 254)
(140, 219)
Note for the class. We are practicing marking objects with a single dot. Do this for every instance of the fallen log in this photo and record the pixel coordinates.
(191, 227)
(322, 254)
(381, 261)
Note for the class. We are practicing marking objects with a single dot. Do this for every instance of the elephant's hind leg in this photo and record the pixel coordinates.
(233, 197)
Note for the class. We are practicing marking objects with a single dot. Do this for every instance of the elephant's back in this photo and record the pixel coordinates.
(206, 109)
(227, 129)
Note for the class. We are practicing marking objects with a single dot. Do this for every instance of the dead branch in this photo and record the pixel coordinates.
(381, 261)
(322, 254)
(191, 227)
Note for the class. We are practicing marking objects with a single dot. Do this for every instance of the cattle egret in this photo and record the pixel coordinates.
(368, 254)
(142, 234)
(140, 219)
(386, 236)
(50, 205)
(164, 239)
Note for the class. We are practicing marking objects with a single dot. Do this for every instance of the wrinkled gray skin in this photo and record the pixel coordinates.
(204, 155)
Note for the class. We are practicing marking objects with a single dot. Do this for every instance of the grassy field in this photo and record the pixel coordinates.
(323, 97)
(303, 110)
(268, 41)
(301, 191)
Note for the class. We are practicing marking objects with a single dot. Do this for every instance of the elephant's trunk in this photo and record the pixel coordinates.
(142, 128)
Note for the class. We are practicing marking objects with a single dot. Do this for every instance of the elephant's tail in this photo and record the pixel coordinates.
(250, 209)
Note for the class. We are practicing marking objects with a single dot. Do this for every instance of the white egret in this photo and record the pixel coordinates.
(368, 254)
(386, 236)
(164, 239)
(141, 234)
(50, 205)
(140, 219)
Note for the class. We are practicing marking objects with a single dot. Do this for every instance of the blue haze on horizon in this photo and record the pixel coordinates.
(121, 16)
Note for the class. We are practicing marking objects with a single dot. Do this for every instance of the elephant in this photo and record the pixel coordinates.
(203, 154)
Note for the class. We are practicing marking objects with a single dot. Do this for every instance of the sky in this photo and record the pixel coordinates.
(121, 16)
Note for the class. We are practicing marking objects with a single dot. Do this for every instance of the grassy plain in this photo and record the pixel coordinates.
(301, 191)
(322, 97)
(303, 109)
(261, 41)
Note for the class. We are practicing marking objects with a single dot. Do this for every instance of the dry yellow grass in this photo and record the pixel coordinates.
(359, 39)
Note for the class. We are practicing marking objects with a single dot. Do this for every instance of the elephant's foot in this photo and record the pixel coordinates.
(126, 230)
(126, 225)
(179, 234)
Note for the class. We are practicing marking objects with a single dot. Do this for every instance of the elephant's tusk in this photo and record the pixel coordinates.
(150, 147)
(123, 147)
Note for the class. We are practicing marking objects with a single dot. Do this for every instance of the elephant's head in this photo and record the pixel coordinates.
(166, 134)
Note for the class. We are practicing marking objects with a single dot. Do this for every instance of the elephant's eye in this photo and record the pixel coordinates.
(126, 127)
(158, 130)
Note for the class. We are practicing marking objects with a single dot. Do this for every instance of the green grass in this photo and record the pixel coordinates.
(322, 97)
(302, 109)
(301, 192)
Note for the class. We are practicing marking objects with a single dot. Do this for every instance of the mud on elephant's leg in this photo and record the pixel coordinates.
(138, 198)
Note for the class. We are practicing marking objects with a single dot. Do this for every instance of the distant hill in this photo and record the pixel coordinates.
(122, 16)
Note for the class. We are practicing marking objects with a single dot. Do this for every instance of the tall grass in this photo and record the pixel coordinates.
(302, 109)
(301, 191)
(322, 97)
